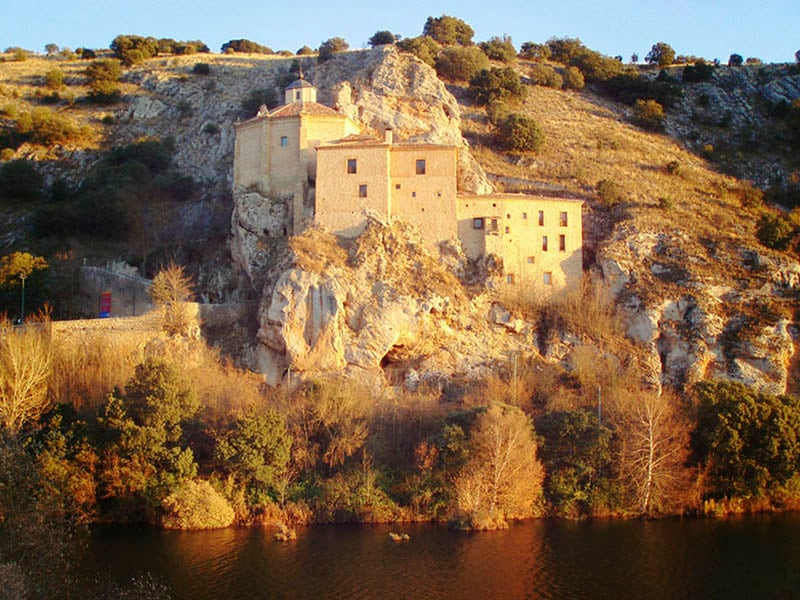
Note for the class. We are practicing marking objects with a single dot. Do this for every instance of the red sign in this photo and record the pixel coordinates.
(105, 305)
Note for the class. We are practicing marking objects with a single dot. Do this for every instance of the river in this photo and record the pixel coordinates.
(747, 557)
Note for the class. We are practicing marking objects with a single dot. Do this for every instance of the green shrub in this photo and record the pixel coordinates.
(774, 231)
(134, 49)
(700, 71)
(610, 192)
(519, 133)
(45, 127)
(211, 129)
(660, 54)
(20, 181)
(456, 63)
(423, 47)
(533, 51)
(54, 79)
(256, 98)
(499, 48)
(630, 88)
(305, 50)
(330, 47)
(649, 114)
(245, 46)
(103, 76)
(674, 167)
(201, 69)
(573, 79)
(196, 505)
(492, 85)
(545, 75)
(448, 30)
(382, 38)
(735, 60)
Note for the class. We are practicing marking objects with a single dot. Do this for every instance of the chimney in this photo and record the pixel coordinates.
(388, 135)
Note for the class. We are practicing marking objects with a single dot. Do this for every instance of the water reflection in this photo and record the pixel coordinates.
(756, 557)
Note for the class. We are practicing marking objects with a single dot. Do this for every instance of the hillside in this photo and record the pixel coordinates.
(670, 238)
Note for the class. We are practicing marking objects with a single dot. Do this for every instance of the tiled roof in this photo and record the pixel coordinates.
(306, 108)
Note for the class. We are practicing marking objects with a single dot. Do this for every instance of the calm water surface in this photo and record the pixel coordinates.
(752, 557)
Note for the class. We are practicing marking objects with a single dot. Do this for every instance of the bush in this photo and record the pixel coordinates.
(448, 30)
(610, 192)
(201, 69)
(700, 71)
(499, 48)
(649, 114)
(20, 181)
(330, 47)
(382, 38)
(629, 88)
(519, 133)
(460, 63)
(735, 60)
(492, 85)
(660, 54)
(43, 126)
(545, 75)
(573, 79)
(54, 79)
(196, 505)
(103, 76)
(533, 51)
(256, 98)
(774, 231)
(423, 47)
(305, 50)
(245, 46)
(211, 129)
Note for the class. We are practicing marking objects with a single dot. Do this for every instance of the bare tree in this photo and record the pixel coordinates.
(25, 360)
(654, 437)
(170, 289)
(502, 478)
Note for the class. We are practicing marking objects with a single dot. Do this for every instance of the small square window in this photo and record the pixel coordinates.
(477, 223)
(531, 260)
(421, 166)
(510, 278)
(508, 229)
(438, 194)
(562, 219)
(397, 186)
(284, 141)
(298, 96)
(494, 225)
(413, 194)
(524, 215)
(541, 218)
(544, 243)
(508, 216)
(562, 243)
(547, 278)
(362, 190)
(352, 166)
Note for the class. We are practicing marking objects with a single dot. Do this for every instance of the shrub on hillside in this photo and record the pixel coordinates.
(492, 85)
(533, 51)
(649, 114)
(630, 88)
(593, 65)
(456, 63)
(256, 98)
(305, 51)
(735, 60)
(519, 133)
(499, 48)
(545, 75)
(448, 30)
(103, 76)
(54, 79)
(610, 192)
(700, 71)
(245, 46)
(573, 79)
(330, 47)
(660, 54)
(774, 231)
(45, 127)
(382, 38)
(20, 181)
(423, 47)
(201, 69)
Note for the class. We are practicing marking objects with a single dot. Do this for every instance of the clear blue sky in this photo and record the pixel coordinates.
(767, 29)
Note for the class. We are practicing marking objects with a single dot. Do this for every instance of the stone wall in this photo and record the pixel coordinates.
(129, 293)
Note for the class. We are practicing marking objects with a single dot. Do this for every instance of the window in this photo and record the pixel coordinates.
(352, 166)
(544, 243)
(547, 279)
(562, 243)
(531, 260)
(421, 166)
(508, 216)
(541, 218)
(298, 96)
(477, 223)
(510, 278)
(413, 194)
(397, 186)
(494, 225)
(362, 190)
(284, 141)
(508, 229)
(562, 219)
(524, 215)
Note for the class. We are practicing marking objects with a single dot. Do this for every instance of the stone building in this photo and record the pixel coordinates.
(303, 150)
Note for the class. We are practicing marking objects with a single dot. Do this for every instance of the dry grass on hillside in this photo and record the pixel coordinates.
(589, 140)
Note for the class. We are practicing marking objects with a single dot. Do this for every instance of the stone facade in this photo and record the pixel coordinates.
(303, 144)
